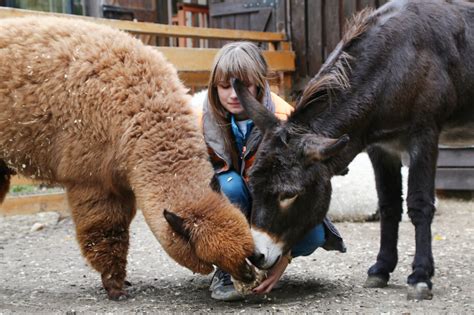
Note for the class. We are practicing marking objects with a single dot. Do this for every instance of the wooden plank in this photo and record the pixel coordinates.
(163, 18)
(315, 36)
(456, 157)
(35, 203)
(181, 21)
(298, 33)
(20, 180)
(159, 29)
(285, 45)
(259, 21)
(331, 26)
(454, 179)
(214, 23)
(185, 58)
(280, 60)
(227, 22)
(285, 85)
(271, 25)
(195, 80)
(242, 21)
(363, 4)
(349, 8)
(232, 8)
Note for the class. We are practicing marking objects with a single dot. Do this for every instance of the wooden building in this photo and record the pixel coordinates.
(313, 26)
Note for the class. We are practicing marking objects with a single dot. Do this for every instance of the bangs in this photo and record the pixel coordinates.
(238, 64)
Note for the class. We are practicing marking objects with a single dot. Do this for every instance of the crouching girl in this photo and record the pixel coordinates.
(233, 141)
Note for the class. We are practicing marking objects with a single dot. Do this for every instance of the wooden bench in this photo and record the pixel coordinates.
(455, 169)
(193, 65)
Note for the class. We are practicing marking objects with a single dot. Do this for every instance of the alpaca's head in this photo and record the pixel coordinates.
(217, 233)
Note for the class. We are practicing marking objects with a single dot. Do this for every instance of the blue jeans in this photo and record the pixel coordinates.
(234, 187)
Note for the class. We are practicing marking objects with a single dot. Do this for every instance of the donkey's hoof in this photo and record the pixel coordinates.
(375, 282)
(419, 292)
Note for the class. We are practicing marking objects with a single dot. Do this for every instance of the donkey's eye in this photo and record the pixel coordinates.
(286, 200)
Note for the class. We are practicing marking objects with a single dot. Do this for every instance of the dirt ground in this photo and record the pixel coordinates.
(43, 271)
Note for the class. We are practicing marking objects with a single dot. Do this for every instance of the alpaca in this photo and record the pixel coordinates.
(96, 111)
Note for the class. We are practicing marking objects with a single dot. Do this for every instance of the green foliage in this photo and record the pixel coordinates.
(23, 188)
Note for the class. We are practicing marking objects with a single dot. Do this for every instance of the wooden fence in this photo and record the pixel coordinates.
(193, 66)
(315, 27)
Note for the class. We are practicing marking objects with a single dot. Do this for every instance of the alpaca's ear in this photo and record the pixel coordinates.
(177, 224)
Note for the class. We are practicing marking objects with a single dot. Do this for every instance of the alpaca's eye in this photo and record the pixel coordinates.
(286, 200)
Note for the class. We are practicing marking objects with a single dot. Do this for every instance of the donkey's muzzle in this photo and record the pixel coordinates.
(257, 259)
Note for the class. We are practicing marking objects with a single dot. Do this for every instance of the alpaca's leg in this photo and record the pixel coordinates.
(102, 222)
(388, 178)
(5, 174)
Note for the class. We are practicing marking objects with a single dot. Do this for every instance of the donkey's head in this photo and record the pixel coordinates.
(289, 181)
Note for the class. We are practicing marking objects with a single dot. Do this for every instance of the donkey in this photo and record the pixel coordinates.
(400, 81)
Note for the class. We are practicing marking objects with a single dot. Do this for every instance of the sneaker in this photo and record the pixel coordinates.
(217, 278)
(222, 287)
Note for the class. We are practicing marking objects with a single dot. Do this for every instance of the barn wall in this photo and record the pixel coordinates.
(315, 27)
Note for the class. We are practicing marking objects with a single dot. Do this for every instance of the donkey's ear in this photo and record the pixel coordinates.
(317, 148)
(261, 116)
(177, 224)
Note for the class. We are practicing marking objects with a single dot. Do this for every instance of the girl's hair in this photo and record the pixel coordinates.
(244, 61)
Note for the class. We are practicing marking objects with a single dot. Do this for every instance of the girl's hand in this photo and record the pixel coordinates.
(273, 276)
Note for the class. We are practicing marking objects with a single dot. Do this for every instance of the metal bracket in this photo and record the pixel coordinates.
(260, 4)
(223, 8)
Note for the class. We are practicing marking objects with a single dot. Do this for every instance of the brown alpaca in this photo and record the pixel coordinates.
(93, 109)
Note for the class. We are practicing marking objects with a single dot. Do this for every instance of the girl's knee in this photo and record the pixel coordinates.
(314, 239)
(234, 188)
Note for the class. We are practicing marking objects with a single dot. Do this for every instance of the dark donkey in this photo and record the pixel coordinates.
(400, 81)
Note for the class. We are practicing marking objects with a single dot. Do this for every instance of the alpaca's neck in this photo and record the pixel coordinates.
(159, 187)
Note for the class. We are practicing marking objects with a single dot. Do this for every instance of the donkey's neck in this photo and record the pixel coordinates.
(348, 113)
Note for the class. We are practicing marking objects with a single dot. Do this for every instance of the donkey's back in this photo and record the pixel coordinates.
(425, 49)
(459, 128)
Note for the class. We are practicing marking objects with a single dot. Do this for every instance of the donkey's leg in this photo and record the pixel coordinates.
(102, 222)
(423, 150)
(388, 179)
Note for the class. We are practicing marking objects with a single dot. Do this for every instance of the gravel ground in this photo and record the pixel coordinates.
(42, 269)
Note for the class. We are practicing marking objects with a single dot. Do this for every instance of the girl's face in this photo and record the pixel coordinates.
(229, 99)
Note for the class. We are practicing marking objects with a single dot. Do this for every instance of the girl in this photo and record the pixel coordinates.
(232, 142)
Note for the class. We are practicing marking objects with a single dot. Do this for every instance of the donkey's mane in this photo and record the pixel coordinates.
(334, 74)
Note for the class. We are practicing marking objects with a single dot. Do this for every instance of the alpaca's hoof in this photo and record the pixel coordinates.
(117, 295)
(419, 292)
(375, 282)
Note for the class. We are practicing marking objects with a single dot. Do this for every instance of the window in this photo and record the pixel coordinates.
(60, 6)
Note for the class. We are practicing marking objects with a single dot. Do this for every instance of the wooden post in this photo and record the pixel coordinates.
(331, 26)
(298, 14)
(181, 21)
(315, 37)
(163, 18)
